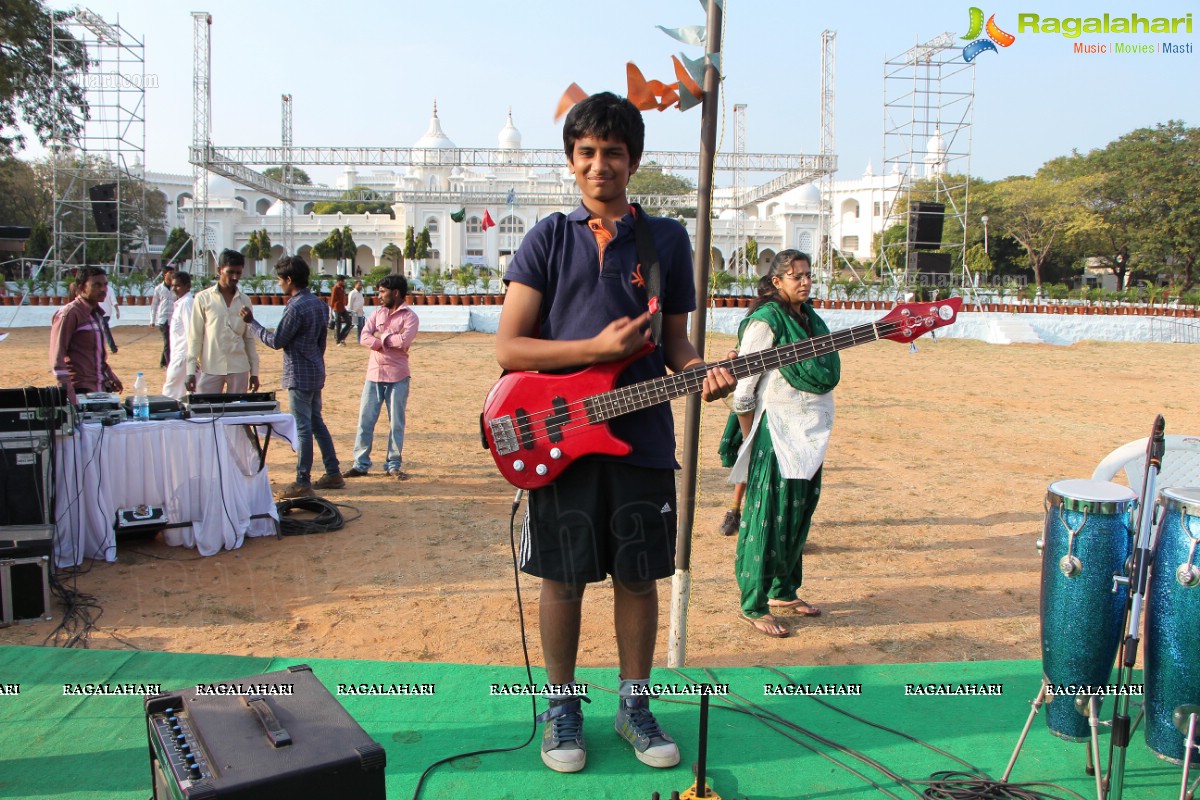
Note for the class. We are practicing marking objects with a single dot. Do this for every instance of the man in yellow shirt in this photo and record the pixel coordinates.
(220, 343)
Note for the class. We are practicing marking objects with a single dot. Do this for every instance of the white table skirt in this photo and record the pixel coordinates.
(203, 471)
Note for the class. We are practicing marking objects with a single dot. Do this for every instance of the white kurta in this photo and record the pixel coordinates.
(800, 422)
(181, 322)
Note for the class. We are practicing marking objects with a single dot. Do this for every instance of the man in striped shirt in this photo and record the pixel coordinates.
(77, 354)
(301, 335)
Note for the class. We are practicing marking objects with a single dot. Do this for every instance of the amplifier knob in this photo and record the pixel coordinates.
(194, 771)
(186, 749)
(180, 739)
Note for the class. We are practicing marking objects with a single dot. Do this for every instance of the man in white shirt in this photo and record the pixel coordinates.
(181, 322)
(109, 307)
(220, 343)
(357, 307)
(160, 312)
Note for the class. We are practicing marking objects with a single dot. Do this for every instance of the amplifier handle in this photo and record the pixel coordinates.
(276, 733)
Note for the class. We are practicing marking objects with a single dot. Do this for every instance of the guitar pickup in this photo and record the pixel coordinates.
(503, 435)
(524, 429)
(555, 422)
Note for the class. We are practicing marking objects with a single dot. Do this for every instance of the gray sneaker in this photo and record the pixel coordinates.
(636, 724)
(563, 748)
(731, 522)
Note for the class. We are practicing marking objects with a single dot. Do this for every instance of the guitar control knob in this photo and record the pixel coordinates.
(518, 465)
(555, 453)
(541, 469)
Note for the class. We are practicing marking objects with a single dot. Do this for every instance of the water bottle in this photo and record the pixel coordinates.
(141, 401)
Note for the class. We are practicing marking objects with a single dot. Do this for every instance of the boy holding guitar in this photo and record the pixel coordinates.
(579, 295)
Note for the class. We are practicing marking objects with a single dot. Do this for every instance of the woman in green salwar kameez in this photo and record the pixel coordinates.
(785, 417)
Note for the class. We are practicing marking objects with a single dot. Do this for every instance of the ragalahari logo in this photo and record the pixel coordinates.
(995, 36)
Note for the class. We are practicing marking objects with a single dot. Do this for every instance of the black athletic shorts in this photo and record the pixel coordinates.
(602, 518)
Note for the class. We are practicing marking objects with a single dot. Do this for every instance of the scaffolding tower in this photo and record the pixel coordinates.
(202, 237)
(742, 266)
(929, 99)
(823, 269)
(99, 194)
(287, 220)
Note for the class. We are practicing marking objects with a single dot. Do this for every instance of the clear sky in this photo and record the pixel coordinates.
(367, 73)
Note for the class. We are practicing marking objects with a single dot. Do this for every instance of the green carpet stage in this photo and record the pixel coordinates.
(71, 747)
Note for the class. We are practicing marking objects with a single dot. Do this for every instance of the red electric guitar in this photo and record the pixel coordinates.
(537, 424)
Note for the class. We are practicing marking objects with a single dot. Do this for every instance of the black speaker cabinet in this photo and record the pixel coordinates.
(276, 736)
(925, 224)
(24, 589)
(104, 206)
(931, 264)
(25, 480)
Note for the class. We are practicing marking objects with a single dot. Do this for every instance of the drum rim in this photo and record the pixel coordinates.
(1190, 506)
(1056, 498)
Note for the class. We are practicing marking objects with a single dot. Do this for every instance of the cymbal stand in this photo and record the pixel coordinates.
(1137, 583)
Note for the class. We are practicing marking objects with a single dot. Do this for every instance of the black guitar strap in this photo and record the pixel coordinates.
(647, 255)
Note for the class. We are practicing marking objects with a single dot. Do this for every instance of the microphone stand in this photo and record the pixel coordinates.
(1136, 581)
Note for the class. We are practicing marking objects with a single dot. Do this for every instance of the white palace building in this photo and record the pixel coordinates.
(789, 220)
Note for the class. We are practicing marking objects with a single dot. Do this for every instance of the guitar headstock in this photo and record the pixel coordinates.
(908, 321)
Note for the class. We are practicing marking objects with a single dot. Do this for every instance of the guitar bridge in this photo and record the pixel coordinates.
(504, 435)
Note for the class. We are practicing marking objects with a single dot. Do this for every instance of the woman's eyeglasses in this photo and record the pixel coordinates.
(803, 276)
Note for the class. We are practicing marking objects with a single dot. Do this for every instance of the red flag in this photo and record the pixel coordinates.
(488, 222)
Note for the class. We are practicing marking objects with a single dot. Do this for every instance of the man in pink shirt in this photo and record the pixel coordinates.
(389, 332)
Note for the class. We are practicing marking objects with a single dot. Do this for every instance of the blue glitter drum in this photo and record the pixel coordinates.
(1087, 540)
(1172, 657)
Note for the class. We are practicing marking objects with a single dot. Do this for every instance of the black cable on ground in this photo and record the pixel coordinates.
(512, 543)
(326, 520)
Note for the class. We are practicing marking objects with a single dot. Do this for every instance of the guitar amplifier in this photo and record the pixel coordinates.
(278, 736)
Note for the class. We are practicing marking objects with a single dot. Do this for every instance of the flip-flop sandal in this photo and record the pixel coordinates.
(798, 607)
(752, 620)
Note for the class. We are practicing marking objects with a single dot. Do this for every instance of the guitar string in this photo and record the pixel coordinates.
(692, 379)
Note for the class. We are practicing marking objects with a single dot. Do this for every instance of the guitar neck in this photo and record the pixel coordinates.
(637, 396)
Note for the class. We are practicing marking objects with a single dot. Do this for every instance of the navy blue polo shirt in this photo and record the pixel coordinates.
(560, 258)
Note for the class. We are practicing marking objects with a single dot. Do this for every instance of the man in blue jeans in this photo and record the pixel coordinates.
(388, 333)
(301, 336)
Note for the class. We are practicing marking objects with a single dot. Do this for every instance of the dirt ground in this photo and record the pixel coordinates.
(922, 548)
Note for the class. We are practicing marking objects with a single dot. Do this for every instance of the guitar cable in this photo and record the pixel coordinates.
(512, 543)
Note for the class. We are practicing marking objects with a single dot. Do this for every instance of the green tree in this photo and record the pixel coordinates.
(178, 246)
(374, 204)
(650, 179)
(26, 197)
(1039, 212)
(423, 245)
(393, 254)
(410, 243)
(40, 241)
(29, 65)
(299, 176)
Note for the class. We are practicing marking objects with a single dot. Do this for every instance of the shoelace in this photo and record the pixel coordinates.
(568, 727)
(645, 723)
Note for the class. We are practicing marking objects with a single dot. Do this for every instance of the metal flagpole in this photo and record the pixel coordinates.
(681, 583)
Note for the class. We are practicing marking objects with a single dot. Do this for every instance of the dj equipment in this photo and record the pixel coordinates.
(1172, 656)
(99, 407)
(31, 410)
(161, 407)
(1086, 541)
(25, 480)
(140, 521)
(26, 541)
(24, 589)
(228, 405)
(265, 737)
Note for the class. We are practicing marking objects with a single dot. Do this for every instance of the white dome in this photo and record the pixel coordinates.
(510, 137)
(936, 148)
(808, 195)
(435, 137)
(731, 214)
(221, 187)
(275, 210)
